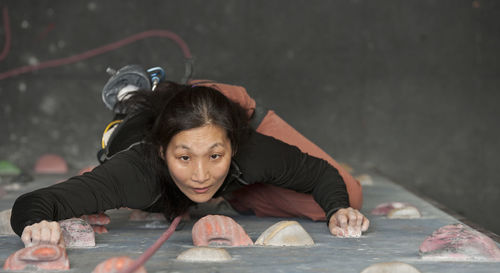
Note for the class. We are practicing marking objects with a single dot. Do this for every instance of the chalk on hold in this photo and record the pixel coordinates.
(390, 267)
(116, 264)
(139, 215)
(51, 164)
(285, 233)
(44, 257)
(77, 233)
(364, 179)
(5, 228)
(213, 230)
(204, 254)
(8, 169)
(407, 212)
(459, 243)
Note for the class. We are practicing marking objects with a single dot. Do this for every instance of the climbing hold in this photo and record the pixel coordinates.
(397, 210)
(391, 267)
(406, 212)
(139, 215)
(77, 233)
(96, 219)
(8, 169)
(99, 229)
(219, 230)
(346, 167)
(285, 233)
(44, 257)
(459, 243)
(5, 228)
(116, 264)
(204, 254)
(86, 169)
(364, 179)
(51, 164)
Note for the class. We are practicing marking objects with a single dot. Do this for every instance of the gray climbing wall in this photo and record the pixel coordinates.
(404, 88)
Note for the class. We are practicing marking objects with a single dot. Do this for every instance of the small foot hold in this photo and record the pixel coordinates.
(391, 267)
(51, 164)
(204, 254)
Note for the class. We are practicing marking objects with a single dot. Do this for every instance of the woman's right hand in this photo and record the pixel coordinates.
(43, 232)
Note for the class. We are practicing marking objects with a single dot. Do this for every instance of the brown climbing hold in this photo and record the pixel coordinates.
(5, 228)
(139, 215)
(77, 233)
(219, 230)
(99, 229)
(51, 164)
(285, 233)
(204, 254)
(44, 257)
(391, 267)
(459, 243)
(406, 212)
(116, 264)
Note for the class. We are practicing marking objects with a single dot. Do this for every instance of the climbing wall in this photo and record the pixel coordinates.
(398, 239)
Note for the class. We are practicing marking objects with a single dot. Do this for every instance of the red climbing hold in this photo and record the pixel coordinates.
(459, 243)
(51, 164)
(97, 219)
(99, 229)
(385, 208)
(116, 264)
(86, 169)
(44, 257)
(219, 230)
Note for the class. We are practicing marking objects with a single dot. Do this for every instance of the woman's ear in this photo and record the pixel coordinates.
(161, 153)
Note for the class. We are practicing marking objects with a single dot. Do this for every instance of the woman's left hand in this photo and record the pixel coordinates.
(348, 222)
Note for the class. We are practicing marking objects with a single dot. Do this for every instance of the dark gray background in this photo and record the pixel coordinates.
(408, 88)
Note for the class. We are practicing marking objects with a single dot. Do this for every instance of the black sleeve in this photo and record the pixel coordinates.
(123, 181)
(267, 160)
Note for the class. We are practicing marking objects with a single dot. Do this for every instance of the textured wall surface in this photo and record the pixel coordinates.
(406, 88)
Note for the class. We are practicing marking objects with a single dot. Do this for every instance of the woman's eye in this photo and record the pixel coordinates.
(215, 156)
(184, 158)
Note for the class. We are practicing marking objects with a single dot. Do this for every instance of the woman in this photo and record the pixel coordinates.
(185, 144)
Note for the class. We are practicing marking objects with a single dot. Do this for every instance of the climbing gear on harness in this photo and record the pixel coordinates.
(128, 79)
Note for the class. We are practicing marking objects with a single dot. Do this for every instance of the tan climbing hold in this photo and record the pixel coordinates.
(285, 233)
(204, 254)
(406, 212)
(77, 233)
(219, 230)
(5, 228)
(390, 267)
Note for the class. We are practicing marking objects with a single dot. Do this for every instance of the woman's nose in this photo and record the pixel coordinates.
(200, 172)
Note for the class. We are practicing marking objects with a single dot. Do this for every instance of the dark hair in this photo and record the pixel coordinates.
(173, 108)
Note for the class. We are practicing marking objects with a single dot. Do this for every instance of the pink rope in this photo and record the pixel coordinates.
(100, 50)
(6, 46)
(152, 249)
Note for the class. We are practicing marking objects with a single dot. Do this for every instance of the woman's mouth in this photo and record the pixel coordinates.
(200, 190)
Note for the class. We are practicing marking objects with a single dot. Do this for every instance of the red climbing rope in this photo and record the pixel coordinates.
(152, 249)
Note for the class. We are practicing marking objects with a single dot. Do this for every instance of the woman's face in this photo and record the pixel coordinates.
(198, 160)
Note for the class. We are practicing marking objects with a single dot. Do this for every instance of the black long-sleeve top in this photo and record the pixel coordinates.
(126, 180)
